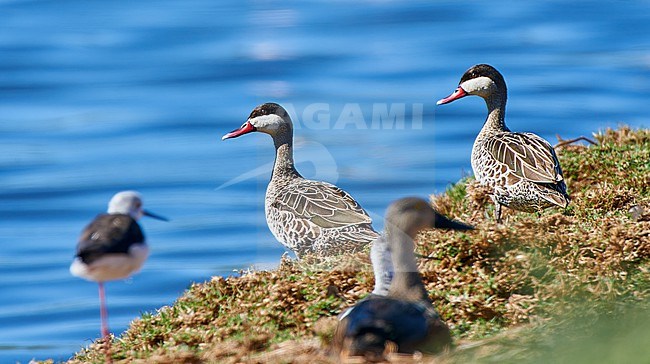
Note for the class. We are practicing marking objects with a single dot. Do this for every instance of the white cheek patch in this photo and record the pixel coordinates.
(478, 86)
(267, 122)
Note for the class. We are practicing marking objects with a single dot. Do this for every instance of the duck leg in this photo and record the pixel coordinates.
(497, 209)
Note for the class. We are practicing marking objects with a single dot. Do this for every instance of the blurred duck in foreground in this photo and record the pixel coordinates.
(112, 246)
(307, 217)
(404, 317)
(521, 169)
(382, 258)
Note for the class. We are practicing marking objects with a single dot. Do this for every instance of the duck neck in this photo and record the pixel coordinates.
(495, 122)
(407, 283)
(283, 166)
(382, 265)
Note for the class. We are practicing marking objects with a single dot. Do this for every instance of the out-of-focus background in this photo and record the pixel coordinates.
(98, 97)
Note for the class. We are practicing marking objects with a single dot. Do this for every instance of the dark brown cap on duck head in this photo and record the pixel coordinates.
(268, 108)
(482, 80)
(484, 70)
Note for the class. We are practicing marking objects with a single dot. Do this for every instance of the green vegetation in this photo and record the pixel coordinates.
(565, 286)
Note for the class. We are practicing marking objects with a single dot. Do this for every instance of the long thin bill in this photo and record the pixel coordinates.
(152, 215)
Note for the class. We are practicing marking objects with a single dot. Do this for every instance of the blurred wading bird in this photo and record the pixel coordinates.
(307, 217)
(405, 316)
(521, 168)
(112, 246)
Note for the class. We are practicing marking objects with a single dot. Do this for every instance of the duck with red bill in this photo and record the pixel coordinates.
(521, 169)
(246, 128)
(307, 217)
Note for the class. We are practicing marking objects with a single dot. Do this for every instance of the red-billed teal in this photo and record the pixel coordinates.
(521, 168)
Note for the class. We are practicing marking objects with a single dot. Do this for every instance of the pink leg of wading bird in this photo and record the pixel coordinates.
(102, 310)
(103, 313)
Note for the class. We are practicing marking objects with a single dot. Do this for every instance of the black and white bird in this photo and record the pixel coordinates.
(112, 246)
(403, 316)
(521, 169)
(306, 216)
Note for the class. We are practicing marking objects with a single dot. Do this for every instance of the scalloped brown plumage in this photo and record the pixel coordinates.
(522, 169)
(307, 217)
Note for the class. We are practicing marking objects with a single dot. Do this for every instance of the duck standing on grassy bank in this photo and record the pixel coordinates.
(112, 246)
(521, 168)
(307, 217)
(405, 316)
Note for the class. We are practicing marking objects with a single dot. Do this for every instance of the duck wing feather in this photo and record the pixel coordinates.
(377, 319)
(323, 204)
(527, 155)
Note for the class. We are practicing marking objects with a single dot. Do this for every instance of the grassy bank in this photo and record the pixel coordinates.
(534, 288)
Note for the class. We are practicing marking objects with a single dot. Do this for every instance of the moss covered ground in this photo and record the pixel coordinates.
(565, 286)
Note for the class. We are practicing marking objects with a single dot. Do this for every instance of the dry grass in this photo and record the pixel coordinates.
(510, 293)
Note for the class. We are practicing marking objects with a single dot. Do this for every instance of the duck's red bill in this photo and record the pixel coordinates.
(459, 93)
(245, 129)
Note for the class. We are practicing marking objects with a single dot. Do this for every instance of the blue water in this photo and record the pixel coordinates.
(97, 97)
